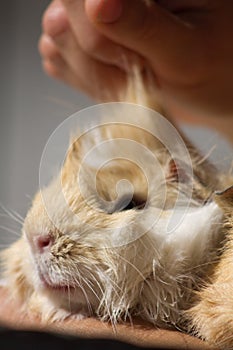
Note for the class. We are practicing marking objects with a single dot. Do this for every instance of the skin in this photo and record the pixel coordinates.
(141, 334)
(91, 45)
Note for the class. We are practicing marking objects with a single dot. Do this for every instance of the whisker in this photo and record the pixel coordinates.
(87, 282)
(10, 214)
(132, 265)
(10, 230)
(207, 155)
(79, 282)
(86, 296)
(20, 217)
(69, 297)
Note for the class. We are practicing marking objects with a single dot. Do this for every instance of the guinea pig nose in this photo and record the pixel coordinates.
(43, 243)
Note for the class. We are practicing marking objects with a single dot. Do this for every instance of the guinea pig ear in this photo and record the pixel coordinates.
(225, 199)
(176, 172)
(76, 149)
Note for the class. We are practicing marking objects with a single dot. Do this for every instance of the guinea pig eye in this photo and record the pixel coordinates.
(127, 203)
(134, 204)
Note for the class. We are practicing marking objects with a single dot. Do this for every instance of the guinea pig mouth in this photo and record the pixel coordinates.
(52, 286)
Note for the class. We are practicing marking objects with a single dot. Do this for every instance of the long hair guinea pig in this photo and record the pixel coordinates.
(62, 266)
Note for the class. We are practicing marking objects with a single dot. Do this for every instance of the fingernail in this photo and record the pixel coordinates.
(110, 11)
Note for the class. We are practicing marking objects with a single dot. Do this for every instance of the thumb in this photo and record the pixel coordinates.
(142, 26)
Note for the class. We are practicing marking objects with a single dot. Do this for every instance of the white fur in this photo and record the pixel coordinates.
(191, 231)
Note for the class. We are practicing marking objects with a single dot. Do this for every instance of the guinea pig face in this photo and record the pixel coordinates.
(94, 225)
(76, 234)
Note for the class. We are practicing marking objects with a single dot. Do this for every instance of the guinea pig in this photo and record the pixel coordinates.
(88, 249)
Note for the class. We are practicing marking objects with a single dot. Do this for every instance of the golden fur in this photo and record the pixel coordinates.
(212, 317)
(153, 276)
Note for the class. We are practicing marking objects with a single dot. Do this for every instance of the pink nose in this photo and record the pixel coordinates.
(43, 243)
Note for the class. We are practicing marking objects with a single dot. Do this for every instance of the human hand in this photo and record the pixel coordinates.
(140, 334)
(186, 44)
(76, 53)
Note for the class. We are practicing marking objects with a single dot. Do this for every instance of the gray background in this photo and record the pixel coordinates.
(32, 106)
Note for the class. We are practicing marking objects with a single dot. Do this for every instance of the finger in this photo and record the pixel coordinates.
(149, 30)
(94, 43)
(131, 25)
(47, 47)
(92, 77)
(55, 20)
(63, 59)
(64, 44)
